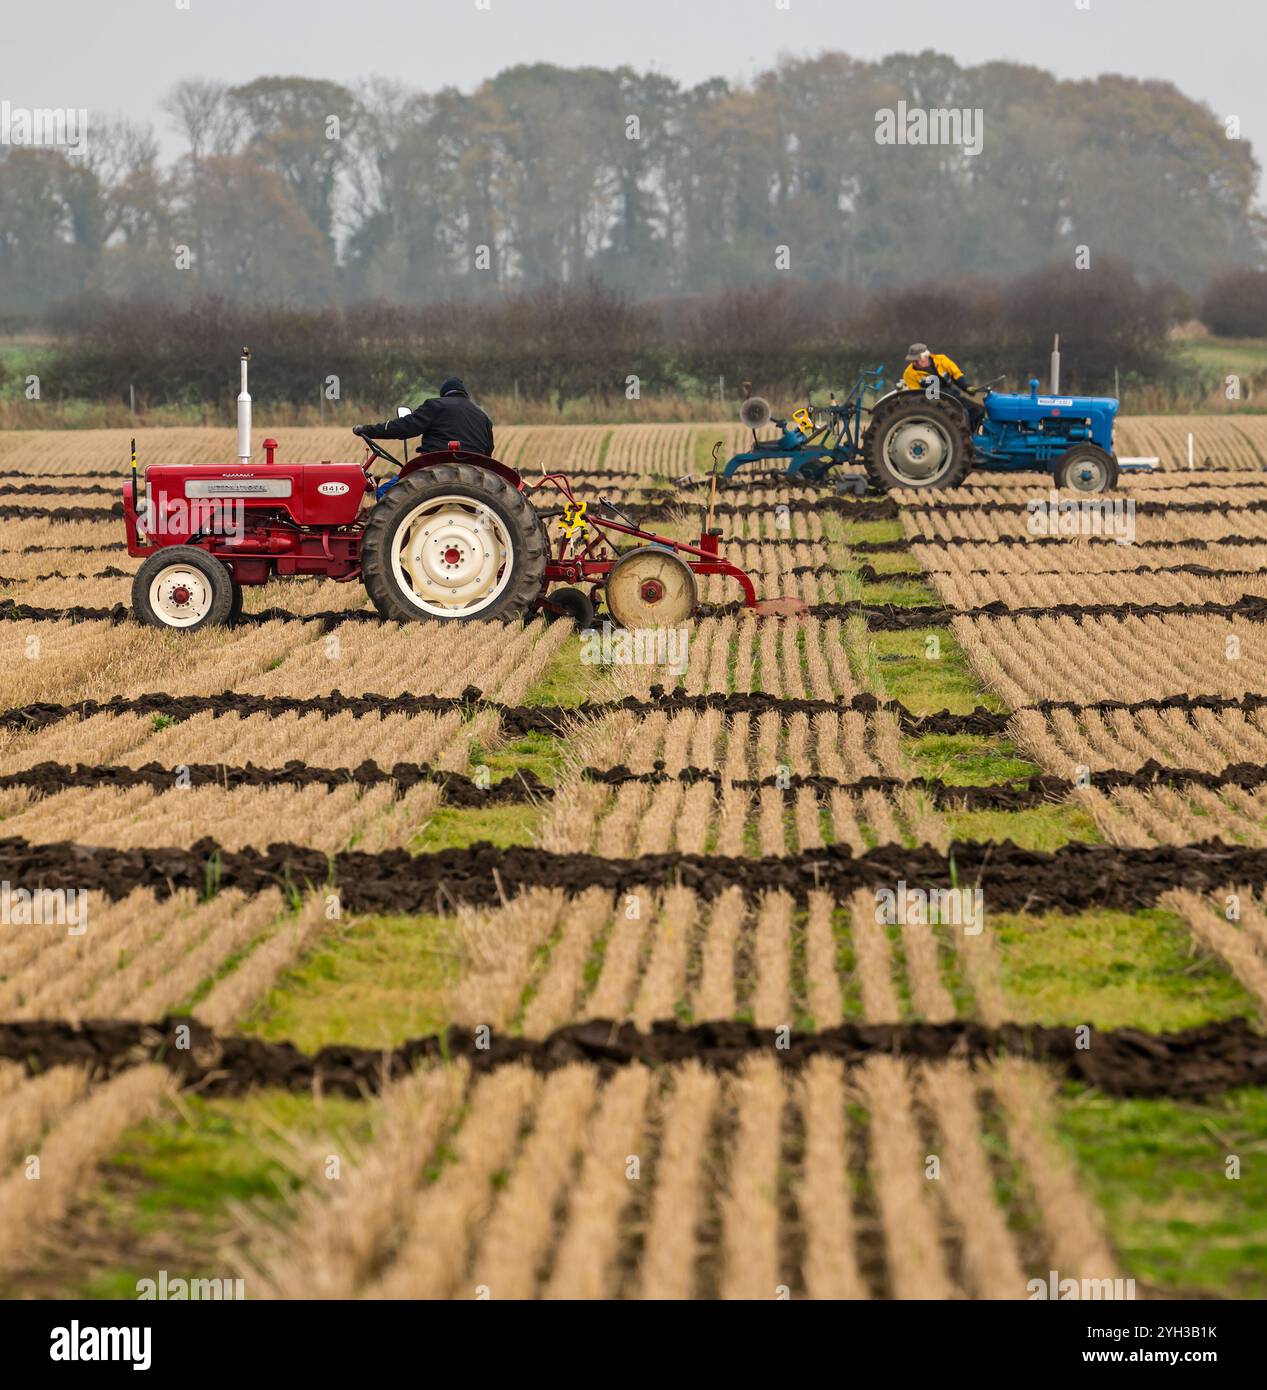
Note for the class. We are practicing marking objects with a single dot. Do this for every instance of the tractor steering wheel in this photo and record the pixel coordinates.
(372, 446)
(989, 384)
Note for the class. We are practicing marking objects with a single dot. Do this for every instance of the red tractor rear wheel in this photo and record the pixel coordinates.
(453, 542)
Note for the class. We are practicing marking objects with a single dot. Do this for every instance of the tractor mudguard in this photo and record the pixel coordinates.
(466, 456)
(442, 456)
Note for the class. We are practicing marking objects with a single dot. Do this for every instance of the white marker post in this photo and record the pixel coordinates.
(244, 414)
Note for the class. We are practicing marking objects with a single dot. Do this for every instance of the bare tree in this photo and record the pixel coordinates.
(202, 111)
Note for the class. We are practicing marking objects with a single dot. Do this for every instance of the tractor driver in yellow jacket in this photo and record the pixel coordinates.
(921, 363)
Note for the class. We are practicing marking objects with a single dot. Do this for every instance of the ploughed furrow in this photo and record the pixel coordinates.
(858, 1179)
(1071, 878)
(71, 513)
(1176, 502)
(1083, 559)
(899, 618)
(1024, 549)
(990, 526)
(1033, 593)
(52, 489)
(524, 719)
(45, 778)
(66, 548)
(458, 789)
(1119, 1061)
(870, 509)
(109, 480)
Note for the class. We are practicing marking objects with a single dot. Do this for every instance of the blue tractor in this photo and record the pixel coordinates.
(923, 438)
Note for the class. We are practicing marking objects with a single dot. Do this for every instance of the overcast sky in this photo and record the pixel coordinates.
(121, 55)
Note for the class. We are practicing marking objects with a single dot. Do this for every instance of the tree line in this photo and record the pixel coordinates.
(313, 193)
(557, 343)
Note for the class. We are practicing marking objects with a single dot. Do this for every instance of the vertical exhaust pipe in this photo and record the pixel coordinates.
(244, 414)
(1055, 367)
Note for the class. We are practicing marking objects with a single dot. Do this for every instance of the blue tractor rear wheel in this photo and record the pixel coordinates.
(917, 442)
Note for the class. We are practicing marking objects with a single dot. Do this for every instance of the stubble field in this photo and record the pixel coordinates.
(596, 953)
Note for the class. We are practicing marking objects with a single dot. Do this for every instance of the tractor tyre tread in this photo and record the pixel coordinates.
(530, 540)
(866, 444)
(954, 418)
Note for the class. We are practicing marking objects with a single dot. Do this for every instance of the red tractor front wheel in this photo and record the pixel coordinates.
(184, 588)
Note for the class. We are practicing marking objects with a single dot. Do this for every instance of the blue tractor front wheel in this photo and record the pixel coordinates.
(1086, 468)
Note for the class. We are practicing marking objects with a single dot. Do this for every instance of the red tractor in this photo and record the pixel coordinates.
(450, 535)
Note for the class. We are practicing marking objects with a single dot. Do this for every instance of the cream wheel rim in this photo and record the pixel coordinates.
(452, 555)
(918, 450)
(181, 595)
(1087, 475)
(651, 589)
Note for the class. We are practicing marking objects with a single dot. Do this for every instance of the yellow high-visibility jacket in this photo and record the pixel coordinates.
(942, 366)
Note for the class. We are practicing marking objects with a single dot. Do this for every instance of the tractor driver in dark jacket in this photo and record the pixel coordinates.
(452, 415)
(921, 362)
